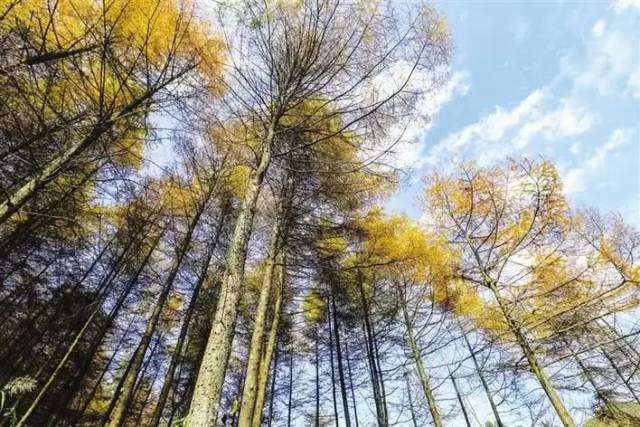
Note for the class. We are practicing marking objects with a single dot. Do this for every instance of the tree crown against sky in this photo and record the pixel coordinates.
(199, 224)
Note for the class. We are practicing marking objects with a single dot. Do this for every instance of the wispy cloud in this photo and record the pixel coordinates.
(575, 179)
(409, 133)
(507, 131)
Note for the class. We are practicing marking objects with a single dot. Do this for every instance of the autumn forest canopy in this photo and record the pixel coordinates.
(194, 231)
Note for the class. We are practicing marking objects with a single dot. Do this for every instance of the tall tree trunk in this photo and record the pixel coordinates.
(290, 402)
(459, 396)
(113, 314)
(370, 348)
(483, 381)
(621, 375)
(175, 357)
(45, 388)
(343, 386)
(333, 371)
(256, 345)
(422, 373)
(82, 407)
(530, 355)
(353, 393)
(123, 395)
(140, 386)
(523, 343)
(272, 394)
(587, 373)
(203, 411)
(317, 367)
(265, 361)
(414, 421)
(18, 198)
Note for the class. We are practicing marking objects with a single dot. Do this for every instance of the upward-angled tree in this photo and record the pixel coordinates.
(525, 253)
(79, 80)
(324, 51)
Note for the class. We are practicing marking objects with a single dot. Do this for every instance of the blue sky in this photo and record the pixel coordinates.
(557, 79)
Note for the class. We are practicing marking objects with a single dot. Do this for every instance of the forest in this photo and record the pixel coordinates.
(194, 232)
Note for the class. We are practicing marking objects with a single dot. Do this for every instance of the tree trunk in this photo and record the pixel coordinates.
(77, 340)
(414, 421)
(483, 381)
(265, 361)
(459, 396)
(333, 371)
(529, 353)
(600, 395)
(55, 167)
(289, 404)
(353, 394)
(250, 388)
(534, 365)
(373, 365)
(317, 366)
(621, 375)
(122, 398)
(343, 386)
(175, 357)
(273, 385)
(203, 411)
(422, 373)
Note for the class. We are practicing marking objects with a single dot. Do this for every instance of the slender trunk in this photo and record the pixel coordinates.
(587, 373)
(27, 229)
(82, 407)
(414, 421)
(203, 411)
(534, 365)
(333, 371)
(28, 325)
(250, 388)
(317, 366)
(140, 383)
(145, 401)
(44, 389)
(175, 357)
(621, 375)
(272, 394)
(613, 331)
(343, 386)
(373, 366)
(122, 398)
(422, 373)
(111, 319)
(383, 392)
(58, 368)
(55, 167)
(265, 361)
(353, 394)
(523, 343)
(289, 404)
(459, 396)
(483, 381)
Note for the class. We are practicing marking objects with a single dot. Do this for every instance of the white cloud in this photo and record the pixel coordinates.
(506, 132)
(622, 5)
(633, 84)
(409, 131)
(575, 179)
(610, 60)
(598, 28)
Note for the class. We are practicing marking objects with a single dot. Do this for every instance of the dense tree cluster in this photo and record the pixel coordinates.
(251, 276)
